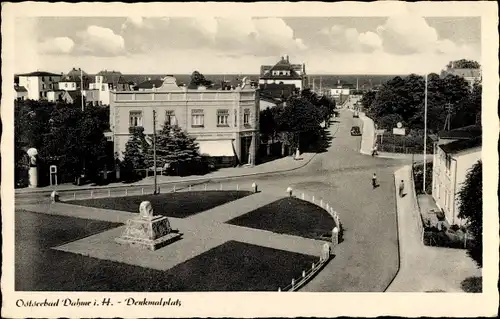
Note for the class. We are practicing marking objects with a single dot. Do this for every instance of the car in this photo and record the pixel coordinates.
(356, 114)
(355, 131)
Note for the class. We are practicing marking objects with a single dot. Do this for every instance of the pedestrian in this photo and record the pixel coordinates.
(374, 150)
(374, 180)
(401, 188)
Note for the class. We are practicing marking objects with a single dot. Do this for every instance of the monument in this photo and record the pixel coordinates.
(33, 170)
(148, 231)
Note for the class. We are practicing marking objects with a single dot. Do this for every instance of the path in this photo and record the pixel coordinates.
(424, 268)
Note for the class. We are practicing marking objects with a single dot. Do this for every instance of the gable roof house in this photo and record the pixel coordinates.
(455, 153)
(283, 72)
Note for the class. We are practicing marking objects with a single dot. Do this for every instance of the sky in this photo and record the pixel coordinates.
(402, 44)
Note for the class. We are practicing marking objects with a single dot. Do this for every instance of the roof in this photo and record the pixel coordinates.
(466, 132)
(277, 91)
(112, 77)
(74, 94)
(461, 145)
(20, 88)
(282, 65)
(75, 75)
(149, 84)
(39, 73)
(465, 73)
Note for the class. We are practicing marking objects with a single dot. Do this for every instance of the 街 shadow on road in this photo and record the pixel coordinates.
(323, 140)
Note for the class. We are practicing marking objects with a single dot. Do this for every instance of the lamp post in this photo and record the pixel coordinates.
(425, 133)
(154, 153)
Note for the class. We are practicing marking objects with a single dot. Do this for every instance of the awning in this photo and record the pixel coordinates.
(216, 148)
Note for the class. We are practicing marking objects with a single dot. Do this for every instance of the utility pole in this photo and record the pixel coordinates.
(81, 87)
(320, 84)
(154, 153)
(425, 134)
(447, 122)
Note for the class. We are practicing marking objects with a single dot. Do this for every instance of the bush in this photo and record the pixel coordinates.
(472, 284)
(448, 238)
(418, 178)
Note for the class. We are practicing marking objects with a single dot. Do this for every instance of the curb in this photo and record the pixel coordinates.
(206, 179)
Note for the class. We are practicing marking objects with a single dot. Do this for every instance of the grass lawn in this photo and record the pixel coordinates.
(177, 205)
(232, 266)
(290, 216)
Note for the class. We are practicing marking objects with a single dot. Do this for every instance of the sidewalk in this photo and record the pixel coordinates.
(281, 165)
(368, 141)
(422, 268)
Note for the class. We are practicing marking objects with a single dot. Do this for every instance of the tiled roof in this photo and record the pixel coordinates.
(20, 88)
(75, 75)
(149, 84)
(112, 77)
(466, 132)
(277, 90)
(461, 145)
(39, 73)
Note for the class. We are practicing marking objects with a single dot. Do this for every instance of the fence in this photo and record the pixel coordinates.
(148, 189)
(325, 257)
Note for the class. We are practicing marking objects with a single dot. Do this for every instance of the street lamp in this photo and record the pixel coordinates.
(425, 134)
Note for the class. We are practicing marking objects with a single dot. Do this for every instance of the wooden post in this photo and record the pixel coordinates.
(174, 188)
(91, 194)
(126, 192)
(220, 186)
(109, 192)
(303, 273)
(205, 186)
(142, 191)
(303, 196)
(237, 187)
(74, 195)
(313, 199)
(189, 187)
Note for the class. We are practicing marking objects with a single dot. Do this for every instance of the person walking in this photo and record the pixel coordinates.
(374, 150)
(374, 180)
(401, 188)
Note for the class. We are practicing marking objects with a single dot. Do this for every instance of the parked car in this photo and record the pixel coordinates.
(356, 114)
(355, 131)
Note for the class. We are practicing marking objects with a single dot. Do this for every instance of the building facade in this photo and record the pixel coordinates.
(39, 83)
(284, 72)
(452, 159)
(471, 76)
(74, 80)
(107, 81)
(225, 123)
(20, 93)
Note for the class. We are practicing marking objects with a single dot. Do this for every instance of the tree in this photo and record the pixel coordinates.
(135, 154)
(464, 64)
(267, 126)
(471, 209)
(367, 99)
(198, 79)
(176, 148)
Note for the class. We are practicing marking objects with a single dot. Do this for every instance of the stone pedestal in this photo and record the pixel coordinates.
(33, 177)
(148, 231)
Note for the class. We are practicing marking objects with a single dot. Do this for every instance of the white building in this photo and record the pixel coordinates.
(39, 83)
(454, 154)
(340, 90)
(20, 93)
(225, 123)
(472, 76)
(107, 81)
(284, 72)
(74, 80)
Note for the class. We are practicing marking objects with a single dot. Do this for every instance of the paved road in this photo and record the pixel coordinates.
(367, 259)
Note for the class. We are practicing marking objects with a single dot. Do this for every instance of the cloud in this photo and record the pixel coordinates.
(241, 35)
(59, 45)
(342, 39)
(410, 34)
(99, 41)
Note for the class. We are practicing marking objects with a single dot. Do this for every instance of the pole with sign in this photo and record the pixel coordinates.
(53, 175)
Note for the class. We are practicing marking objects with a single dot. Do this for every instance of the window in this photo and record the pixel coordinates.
(66, 85)
(103, 88)
(135, 118)
(43, 78)
(170, 117)
(246, 117)
(222, 117)
(197, 118)
(43, 86)
(50, 79)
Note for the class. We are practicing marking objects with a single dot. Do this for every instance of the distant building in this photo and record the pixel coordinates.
(39, 83)
(455, 153)
(20, 93)
(56, 95)
(107, 81)
(149, 85)
(472, 76)
(225, 123)
(284, 72)
(341, 90)
(74, 80)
